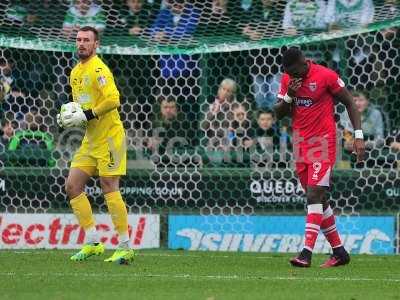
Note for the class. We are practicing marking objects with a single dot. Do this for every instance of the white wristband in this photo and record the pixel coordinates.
(358, 134)
(287, 99)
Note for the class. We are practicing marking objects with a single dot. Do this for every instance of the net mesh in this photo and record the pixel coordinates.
(204, 160)
(189, 26)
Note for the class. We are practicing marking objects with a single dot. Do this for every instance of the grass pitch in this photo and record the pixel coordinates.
(163, 274)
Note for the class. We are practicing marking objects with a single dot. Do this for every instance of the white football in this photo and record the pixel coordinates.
(68, 109)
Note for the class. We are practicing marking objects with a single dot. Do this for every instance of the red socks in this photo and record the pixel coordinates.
(313, 223)
(328, 227)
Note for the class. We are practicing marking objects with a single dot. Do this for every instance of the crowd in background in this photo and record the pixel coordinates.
(169, 19)
(225, 122)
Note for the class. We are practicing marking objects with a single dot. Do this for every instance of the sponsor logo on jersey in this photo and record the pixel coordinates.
(86, 80)
(111, 163)
(83, 98)
(303, 101)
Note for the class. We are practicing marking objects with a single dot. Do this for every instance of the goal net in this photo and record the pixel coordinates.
(200, 177)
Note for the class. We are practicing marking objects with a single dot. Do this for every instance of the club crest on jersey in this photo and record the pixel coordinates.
(312, 86)
(101, 80)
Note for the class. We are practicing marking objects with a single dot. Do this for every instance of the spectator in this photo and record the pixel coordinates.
(46, 13)
(83, 13)
(259, 18)
(215, 18)
(393, 141)
(225, 96)
(135, 17)
(4, 91)
(219, 116)
(238, 134)
(176, 21)
(304, 15)
(169, 126)
(266, 135)
(7, 132)
(6, 78)
(19, 14)
(390, 8)
(37, 13)
(371, 123)
(346, 13)
(4, 87)
(10, 97)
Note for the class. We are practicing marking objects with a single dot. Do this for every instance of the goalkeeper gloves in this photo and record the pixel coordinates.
(74, 119)
(71, 116)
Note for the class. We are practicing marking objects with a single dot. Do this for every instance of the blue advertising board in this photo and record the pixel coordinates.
(367, 234)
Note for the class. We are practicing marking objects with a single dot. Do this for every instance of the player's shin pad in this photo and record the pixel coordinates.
(118, 212)
(83, 211)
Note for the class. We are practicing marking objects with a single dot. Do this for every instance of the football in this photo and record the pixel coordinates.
(68, 109)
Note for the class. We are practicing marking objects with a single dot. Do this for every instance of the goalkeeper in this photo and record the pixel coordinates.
(103, 149)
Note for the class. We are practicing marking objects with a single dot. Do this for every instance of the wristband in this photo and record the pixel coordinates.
(287, 99)
(89, 114)
(358, 134)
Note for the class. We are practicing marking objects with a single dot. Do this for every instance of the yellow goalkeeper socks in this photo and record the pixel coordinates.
(83, 212)
(119, 216)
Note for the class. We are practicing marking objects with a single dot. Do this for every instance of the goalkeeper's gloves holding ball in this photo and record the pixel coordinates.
(74, 119)
(72, 115)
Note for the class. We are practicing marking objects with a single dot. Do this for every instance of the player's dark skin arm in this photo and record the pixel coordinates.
(283, 108)
(345, 97)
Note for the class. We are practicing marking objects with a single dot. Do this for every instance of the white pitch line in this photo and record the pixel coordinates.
(199, 277)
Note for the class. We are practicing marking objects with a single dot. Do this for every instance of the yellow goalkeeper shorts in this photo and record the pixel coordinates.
(103, 159)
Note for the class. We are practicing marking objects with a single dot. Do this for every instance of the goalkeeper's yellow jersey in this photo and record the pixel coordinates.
(93, 83)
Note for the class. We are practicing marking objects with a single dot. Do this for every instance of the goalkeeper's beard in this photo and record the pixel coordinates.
(83, 55)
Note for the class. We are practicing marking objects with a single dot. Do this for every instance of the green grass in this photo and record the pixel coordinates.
(163, 274)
